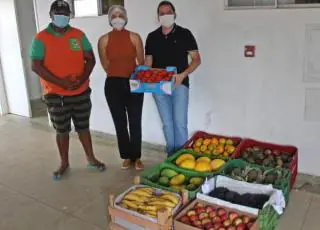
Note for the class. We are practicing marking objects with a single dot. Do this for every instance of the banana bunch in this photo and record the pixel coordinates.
(147, 202)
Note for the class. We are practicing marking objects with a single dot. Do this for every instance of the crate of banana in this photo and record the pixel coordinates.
(143, 207)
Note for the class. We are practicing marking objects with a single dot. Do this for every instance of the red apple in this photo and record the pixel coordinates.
(250, 224)
(205, 221)
(203, 216)
(217, 225)
(217, 219)
(233, 216)
(194, 218)
(200, 210)
(237, 221)
(209, 209)
(246, 219)
(227, 223)
(224, 217)
(242, 227)
(208, 226)
(184, 219)
(213, 214)
(199, 205)
(191, 213)
(197, 223)
(221, 212)
(222, 228)
(232, 228)
(188, 223)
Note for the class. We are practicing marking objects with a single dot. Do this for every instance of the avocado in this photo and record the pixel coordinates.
(164, 181)
(191, 187)
(168, 173)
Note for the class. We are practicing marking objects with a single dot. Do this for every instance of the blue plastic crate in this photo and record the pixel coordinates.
(163, 87)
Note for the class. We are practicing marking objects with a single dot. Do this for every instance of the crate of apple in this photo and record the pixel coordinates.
(216, 218)
(154, 76)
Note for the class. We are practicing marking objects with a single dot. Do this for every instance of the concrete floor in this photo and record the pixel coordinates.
(31, 200)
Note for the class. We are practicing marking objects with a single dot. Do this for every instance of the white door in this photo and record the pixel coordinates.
(11, 60)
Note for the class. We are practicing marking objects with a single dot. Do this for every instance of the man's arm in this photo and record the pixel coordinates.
(37, 53)
(102, 45)
(192, 48)
(149, 50)
(195, 62)
(89, 60)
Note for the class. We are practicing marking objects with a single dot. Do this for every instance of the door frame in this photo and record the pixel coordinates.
(4, 110)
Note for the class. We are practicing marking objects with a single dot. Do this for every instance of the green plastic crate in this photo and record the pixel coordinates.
(285, 183)
(148, 176)
(268, 218)
(171, 160)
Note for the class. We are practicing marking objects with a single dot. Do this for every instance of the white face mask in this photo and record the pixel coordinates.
(167, 20)
(118, 23)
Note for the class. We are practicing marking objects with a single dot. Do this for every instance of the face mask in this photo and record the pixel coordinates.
(61, 21)
(118, 23)
(167, 20)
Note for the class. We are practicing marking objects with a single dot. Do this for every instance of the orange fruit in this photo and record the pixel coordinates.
(214, 141)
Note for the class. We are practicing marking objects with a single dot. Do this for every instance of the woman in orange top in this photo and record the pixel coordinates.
(120, 52)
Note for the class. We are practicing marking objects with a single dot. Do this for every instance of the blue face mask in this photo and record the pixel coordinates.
(61, 21)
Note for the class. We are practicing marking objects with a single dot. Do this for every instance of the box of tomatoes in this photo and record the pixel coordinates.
(149, 80)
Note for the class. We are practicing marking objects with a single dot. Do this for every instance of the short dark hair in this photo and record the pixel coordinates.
(166, 3)
(60, 5)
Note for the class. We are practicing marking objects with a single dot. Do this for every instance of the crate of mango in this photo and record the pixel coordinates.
(189, 162)
(213, 144)
(168, 177)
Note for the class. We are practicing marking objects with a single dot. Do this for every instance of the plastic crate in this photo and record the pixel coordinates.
(285, 182)
(162, 87)
(200, 134)
(148, 176)
(267, 216)
(171, 160)
(293, 166)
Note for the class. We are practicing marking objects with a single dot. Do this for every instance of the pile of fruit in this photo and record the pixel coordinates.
(246, 199)
(210, 218)
(148, 202)
(215, 146)
(176, 181)
(154, 76)
(267, 157)
(200, 164)
(256, 175)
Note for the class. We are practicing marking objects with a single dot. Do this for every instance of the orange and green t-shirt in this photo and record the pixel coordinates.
(62, 55)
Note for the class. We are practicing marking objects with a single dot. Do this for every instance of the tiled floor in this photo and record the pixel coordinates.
(31, 200)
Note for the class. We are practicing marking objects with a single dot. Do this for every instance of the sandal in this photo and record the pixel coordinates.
(62, 171)
(138, 165)
(98, 166)
(126, 164)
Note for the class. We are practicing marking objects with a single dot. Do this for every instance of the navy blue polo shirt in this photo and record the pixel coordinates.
(171, 49)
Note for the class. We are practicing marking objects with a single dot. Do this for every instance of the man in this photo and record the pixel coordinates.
(171, 45)
(63, 58)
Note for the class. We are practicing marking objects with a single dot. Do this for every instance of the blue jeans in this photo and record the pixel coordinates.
(173, 111)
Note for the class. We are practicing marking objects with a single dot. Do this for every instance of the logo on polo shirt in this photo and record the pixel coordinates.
(74, 44)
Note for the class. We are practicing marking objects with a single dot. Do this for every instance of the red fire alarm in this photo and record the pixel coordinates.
(249, 51)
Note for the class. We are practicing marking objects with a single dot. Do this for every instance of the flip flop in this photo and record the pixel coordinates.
(57, 175)
(100, 167)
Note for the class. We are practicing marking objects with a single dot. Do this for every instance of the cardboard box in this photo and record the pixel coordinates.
(122, 219)
(163, 87)
(181, 226)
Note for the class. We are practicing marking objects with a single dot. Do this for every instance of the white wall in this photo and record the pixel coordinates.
(27, 30)
(261, 98)
(11, 61)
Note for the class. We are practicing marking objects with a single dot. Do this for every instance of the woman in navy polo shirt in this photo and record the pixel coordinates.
(171, 45)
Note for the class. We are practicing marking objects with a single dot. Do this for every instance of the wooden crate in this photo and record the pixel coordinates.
(164, 222)
(181, 226)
